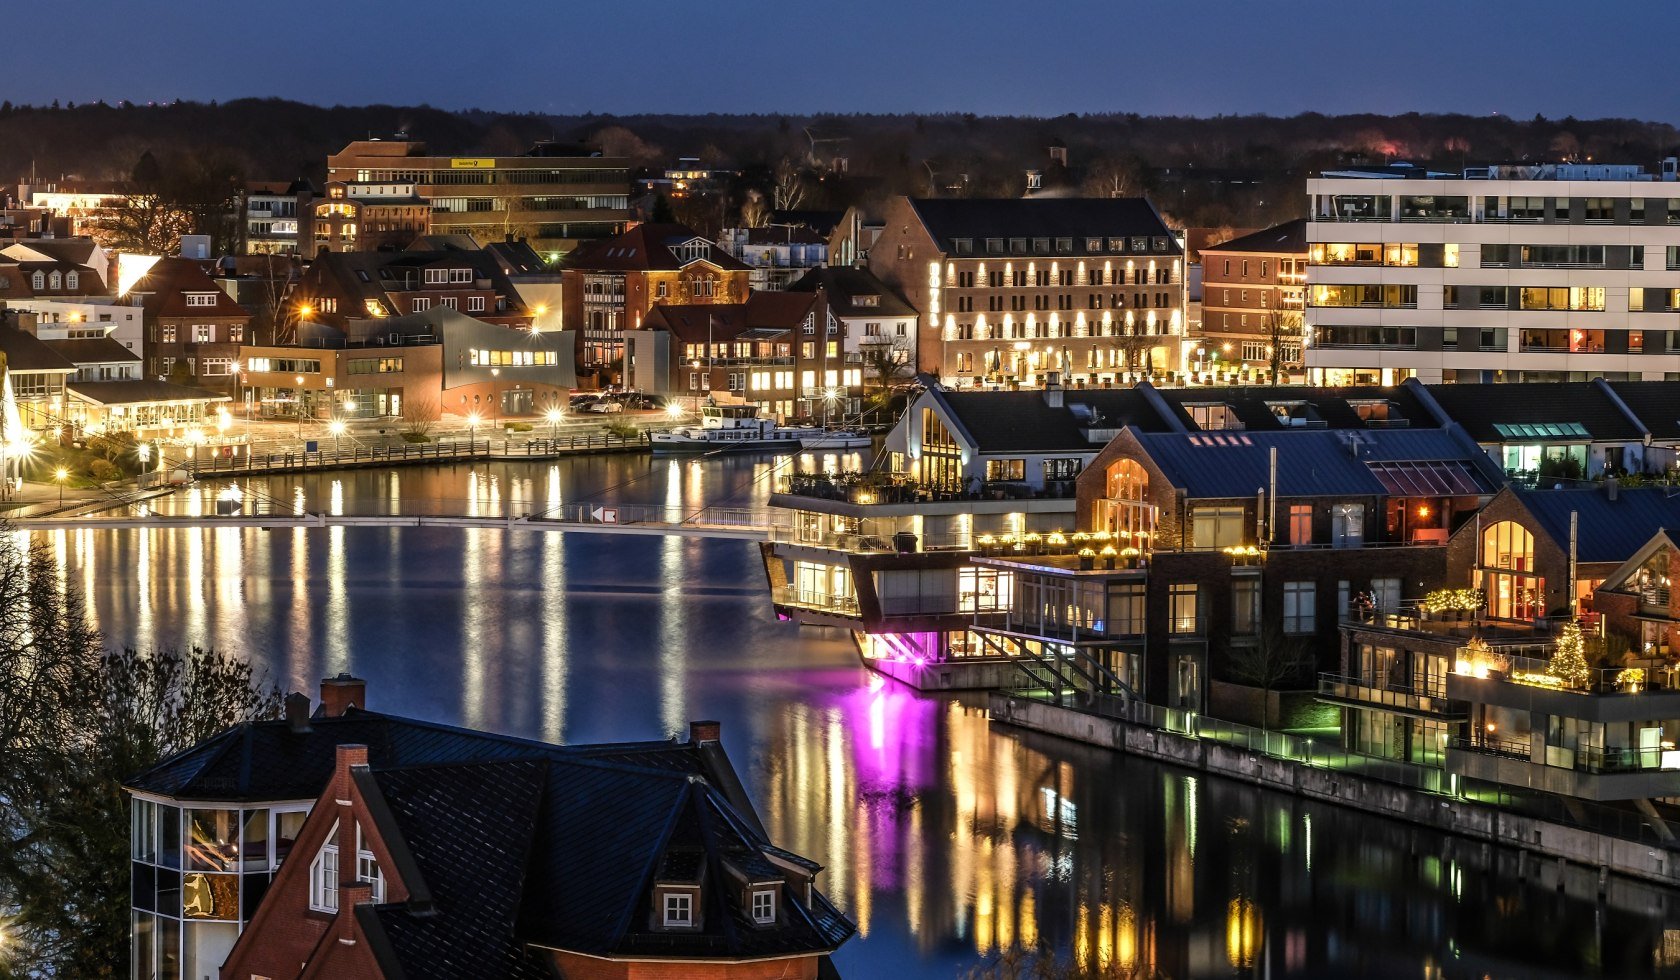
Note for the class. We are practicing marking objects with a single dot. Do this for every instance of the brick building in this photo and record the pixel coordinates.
(770, 351)
(378, 216)
(1251, 301)
(193, 328)
(361, 845)
(340, 288)
(610, 285)
(1011, 290)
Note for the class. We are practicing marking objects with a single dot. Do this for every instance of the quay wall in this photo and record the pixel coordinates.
(1644, 861)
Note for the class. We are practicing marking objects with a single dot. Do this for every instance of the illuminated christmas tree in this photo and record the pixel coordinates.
(1569, 663)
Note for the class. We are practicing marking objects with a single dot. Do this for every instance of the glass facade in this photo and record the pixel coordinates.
(197, 875)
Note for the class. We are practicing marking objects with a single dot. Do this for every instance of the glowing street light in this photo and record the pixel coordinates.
(336, 427)
(472, 431)
(61, 474)
(554, 415)
(674, 411)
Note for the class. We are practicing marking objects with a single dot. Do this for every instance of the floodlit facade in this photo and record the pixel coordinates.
(1508, 273)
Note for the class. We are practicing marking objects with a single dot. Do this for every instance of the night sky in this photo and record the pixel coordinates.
(1038, 57)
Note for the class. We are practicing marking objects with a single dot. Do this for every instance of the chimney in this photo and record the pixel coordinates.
(1612, 487)
(1053, 394)
(341, 693)
(297, 712)
(700, 732)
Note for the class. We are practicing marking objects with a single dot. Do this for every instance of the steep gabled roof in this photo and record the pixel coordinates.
(1483, 409)
(844, 284)
(646, 248)
(167, 283)
(1289, 237)
(1606, 530)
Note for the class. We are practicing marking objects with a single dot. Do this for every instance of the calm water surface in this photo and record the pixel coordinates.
(947, 839)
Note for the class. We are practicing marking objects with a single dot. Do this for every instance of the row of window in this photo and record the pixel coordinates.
(999, 278)
(1064, 301)
(512, 358)
(67, 280)
(1462, 208)
(198, 333)
(1135, 244)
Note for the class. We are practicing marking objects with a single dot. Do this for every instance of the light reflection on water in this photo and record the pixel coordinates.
(947, 839)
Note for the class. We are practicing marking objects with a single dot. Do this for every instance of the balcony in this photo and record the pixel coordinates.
(875, 488)
(1588, 773)
(1364, 692)
(839, 605)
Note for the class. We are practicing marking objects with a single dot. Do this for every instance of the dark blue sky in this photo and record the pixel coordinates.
(1041, 57)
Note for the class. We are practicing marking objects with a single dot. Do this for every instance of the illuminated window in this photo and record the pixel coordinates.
(1505, 568)
(323, 875)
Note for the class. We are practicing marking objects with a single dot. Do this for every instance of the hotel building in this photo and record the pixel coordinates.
(1547, 272)
(1011, 291)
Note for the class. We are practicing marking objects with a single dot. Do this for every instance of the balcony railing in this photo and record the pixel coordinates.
(843, 605)
(1597, 760)
(1364, 691)
(883, 489)
(1535, 672)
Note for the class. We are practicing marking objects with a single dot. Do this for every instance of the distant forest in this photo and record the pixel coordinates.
(1216, 171)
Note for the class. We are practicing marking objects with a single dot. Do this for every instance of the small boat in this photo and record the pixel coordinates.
(831, 439)
(733, 429)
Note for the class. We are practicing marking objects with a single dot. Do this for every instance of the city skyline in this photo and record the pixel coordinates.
(984, 59)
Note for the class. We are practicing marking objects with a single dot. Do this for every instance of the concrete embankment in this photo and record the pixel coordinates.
(1645, 861)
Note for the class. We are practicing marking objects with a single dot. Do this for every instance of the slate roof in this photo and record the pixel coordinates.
(363, 276)
(141, 390)
(92, 350)
(26, 352)
(1607, 530)
(167, 283)
(1656, 403)
(1289, 237)
(700, 323)
(1316, 462)
(977, 219)
(1022, 421)
(1480, 407)
(842, 283)
(1252, 404)
(646, 247)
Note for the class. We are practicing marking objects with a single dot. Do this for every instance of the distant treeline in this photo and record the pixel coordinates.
(1220, 170)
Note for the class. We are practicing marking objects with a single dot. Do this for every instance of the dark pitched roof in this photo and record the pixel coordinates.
(140, 390)
(1291, 236)
(1317, 462)
(1078, 218)
(167, 283)
(780, 234)
(1262, 407)
(1481, 409)
(1607, 530)
(1656, 403)
(843, 284)
(698, 323)
(26, 352)
(92, 350)
(647, 247)
(1022, 421)
(268, 761)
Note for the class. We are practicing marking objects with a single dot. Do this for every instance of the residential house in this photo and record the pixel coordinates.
(340, 288)
(759, 352)
(271, 216)
(612, 284)
(361, 217)
(193, 328)
(876, 326)
(1252, 302)
(351, 843)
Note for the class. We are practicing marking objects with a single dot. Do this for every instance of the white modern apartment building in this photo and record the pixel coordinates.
(1506, 273)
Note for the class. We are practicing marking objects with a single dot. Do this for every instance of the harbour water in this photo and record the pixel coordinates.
(947, 839)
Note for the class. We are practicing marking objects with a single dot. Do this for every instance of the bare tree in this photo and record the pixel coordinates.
(788, 190)
(884, 367)
(1274, 661)
(1135, 349)
(418, 416)
(1283, 328)
(1113, 178)
(755, 213)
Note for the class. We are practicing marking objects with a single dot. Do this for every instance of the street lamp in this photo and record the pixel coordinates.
(336, 427)
(298, 410)
(554, 415)
(830, 396)
(472, 431)
(674, 410)
(495, 396)
(61, 474)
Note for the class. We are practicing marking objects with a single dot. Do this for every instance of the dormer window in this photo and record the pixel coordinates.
(323, 875)
(38, 280)
(201, 299)
(764, 907)
(679, 910)
(72, 281)
(57, 281)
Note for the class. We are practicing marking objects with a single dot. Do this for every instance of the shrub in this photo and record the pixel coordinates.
(104, 470)
(622, 429)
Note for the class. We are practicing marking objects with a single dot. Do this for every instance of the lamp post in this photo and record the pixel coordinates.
(554, 415)
(298, 411)
(336, 427)
(472, 431)
(495, 394)
(61, 474)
